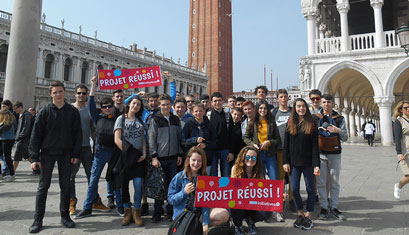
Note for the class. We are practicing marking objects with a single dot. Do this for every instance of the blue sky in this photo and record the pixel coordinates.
(270, 32)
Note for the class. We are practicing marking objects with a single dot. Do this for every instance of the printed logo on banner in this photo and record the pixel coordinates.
(129, 78)
(237, 193)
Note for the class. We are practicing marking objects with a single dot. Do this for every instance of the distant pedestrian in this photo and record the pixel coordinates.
(56, 137)
(7, 135)
(369, 132)
(20, 148)
(401, 130)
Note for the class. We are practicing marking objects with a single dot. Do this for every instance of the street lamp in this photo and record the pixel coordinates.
(403, 35)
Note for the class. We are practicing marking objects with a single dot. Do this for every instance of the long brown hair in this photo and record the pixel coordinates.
(188, 170)
(239, 167)
(398, 108)
(307, 125)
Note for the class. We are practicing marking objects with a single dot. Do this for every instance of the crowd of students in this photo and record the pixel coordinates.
(186, 138)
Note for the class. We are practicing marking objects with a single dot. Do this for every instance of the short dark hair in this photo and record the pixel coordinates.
(179, 100)
(315, 92)
(106, 100)
(56, 84)
(327, 97)
(165, 97)
(153, 95)
(232, 97)
(264, 88)
(237, 110)
(8, 103)
(282, 91)
(198, 104)
(117, 91)
(204, 97)
(18, 104)
(81, 86)
(191, 96)
(217, 95)
(240, 99)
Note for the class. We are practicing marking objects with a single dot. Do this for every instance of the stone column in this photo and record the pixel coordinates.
(23, 52)
(359, 120)
(353, 122)
(76, 70)
(379, 34)
(343, 9)
(385, 116)
(346, 113)
(309, 14)
(58, 67)
(40, 63)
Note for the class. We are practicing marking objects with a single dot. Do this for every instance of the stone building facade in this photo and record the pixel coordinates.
(354, 54)
(74, 58)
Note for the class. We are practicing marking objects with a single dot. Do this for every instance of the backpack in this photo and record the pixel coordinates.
(105, 132)
(187, 223)
(155, 182)
(329, 143)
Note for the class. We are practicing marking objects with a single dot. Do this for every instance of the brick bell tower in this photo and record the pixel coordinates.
(210, 43)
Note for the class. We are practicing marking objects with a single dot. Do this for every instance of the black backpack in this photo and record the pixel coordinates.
(105, 132)
(187, 223)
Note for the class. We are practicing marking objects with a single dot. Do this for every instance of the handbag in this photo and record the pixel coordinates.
(187, 223)
(155, 183)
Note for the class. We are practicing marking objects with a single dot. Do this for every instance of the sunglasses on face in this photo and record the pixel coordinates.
(253, 158)
(190, 101)
(315, 98)
(81, 93)
(106, 106)
(405, 108)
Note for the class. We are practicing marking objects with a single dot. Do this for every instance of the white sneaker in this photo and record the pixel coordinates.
(10, 178)
(279, 217)
(396, 192)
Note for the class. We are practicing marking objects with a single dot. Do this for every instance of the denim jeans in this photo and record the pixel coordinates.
(64, 170)
(295, 177)
(138, 188)
(7, 145)
(225, 166)
(85, 158)
(269, 165)
(102, 157)
(169, 166)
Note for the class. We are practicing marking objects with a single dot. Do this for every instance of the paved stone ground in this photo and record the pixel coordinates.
(366, 198)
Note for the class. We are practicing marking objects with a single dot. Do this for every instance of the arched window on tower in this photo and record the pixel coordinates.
(181, 87)
(67, 69)
(3, 57)
(84, 72)
(49, 62)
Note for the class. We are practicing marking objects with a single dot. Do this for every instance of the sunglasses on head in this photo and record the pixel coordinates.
(316, 98)
(83, 93)
(253, 158)
(106, 106)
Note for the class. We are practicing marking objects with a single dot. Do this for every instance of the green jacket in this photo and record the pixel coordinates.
(251, 136)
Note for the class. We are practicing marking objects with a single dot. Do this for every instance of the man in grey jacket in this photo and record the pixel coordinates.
(165, 148)
(20, 148)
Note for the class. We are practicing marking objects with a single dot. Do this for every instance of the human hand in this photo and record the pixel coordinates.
(141, 158)
(35, 166)
(155, 162)
(264, 145)
(230, 157)
(200, 139)
(179, 161)
(316, 171)
(190, 187)
(333, 129)
(205, 229)
(74, 160)
(256, 146)
(94, 81)
(202, 145)
(401, 157)
(287, 168)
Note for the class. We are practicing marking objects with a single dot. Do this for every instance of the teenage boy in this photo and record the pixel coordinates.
(190, 100)
(332, 131)
(205, 100)
(220, 121)
(118, 98)
(235, 134)
(231, 103)
(250, 113)
(165, 148)
(282, 115)
(261, 94)
(239, 102)
(56, 137)
(153, 108)
(85, 157)
(179, 109)
(315, 97)
(20, 149)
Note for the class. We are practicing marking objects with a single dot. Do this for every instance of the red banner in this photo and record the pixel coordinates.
(235, 193)
(129, 78)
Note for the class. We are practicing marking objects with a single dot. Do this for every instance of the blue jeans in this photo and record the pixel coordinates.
(102, 157)
(295, 177)
(225, 166)
(269, 164)
(137, 197)
(4, 169)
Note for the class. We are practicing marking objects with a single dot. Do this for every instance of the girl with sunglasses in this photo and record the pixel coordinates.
(301, 156)
(401, 131)
(248, 165)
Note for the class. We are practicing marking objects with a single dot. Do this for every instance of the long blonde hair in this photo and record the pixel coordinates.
(239, 168)
(398, 108)
(7, 118)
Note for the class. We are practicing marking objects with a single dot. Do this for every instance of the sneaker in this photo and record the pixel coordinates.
(280, 217)
(335, 212)
(100, 206)
(83, 214)
(36, 226)
(323, 214)
(252, 229)
(120, 211)
(10, 178)
(156, 218)
(306, 224)
(396, 191)
(67, 222)
(298, 222)
(111, 202)
(238, 230)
